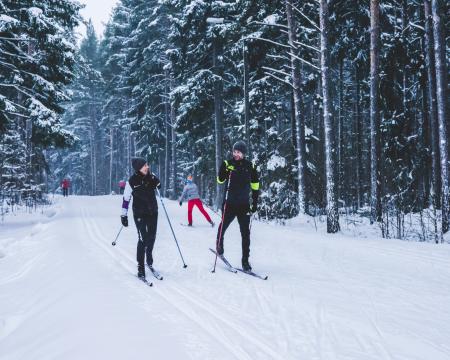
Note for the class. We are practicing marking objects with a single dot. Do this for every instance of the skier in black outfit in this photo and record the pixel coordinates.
(141, 186)
(243, 178)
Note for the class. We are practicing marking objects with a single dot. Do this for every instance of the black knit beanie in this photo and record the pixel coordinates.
(240, 146)
(138, 163)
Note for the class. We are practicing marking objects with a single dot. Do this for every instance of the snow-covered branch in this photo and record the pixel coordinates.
(304, 61)
(278, 79)
(306, 17)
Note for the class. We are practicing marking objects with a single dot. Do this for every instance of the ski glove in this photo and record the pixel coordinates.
(254, 208)
(229, 167)
(124, 220)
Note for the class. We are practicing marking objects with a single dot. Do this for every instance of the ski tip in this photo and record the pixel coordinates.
(262, 277)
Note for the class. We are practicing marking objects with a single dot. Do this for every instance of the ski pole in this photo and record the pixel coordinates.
(115, 240)
(251, 220)
(219, 240)
(215, 212)
(171, 228)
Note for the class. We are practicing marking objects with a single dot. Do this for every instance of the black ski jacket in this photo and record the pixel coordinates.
(143, 192)
(244, 177)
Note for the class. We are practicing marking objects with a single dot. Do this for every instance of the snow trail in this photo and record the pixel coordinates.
(65, 292)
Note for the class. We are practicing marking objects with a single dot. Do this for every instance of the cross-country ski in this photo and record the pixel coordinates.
(252, 273)
(145, 281)
(155, 273)
(227, 264)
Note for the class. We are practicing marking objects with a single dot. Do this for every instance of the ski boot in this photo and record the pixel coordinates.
(141, 272)
(246, 265)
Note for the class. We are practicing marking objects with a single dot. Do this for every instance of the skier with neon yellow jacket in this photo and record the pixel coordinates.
(243, 178)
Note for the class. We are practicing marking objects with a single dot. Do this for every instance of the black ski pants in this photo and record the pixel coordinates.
(243, 216)
(146, 228)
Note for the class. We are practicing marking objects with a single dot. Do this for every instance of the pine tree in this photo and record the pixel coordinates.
(161, 91)
(32, 92)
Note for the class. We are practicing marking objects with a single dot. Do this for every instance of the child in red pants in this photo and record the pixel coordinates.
(190, 192)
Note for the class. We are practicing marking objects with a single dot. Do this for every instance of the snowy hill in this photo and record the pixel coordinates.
(66, 293)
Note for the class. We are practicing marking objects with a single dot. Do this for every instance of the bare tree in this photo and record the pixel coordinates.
(359, 141)
(218, 109)
(431, 97)
(173, 124)
(330, 149)
(441, 112)
(111, 157)
(298, 110)
(246, 97)
(167, 137)
(375, 193)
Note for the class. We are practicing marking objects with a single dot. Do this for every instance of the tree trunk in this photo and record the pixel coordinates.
(111, 158)
(294, 137)
(340, 185)
(246, 99)
(359, 144)
(218, 111)
(167, 138)
(375, 193)
(441, 112)
(129, 153)
(132, 147)
(298, 111)
(174, 146)
(431, 99)
(298, 107)
(332, 208)
(29, 152)
(93, 150)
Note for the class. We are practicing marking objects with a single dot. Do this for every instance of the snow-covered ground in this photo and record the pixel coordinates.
(66, 293)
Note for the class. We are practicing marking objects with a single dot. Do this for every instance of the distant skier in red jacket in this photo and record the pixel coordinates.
(122, 184)
(65, 184)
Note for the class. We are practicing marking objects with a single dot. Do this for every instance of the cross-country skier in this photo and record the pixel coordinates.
(65, 184)
(122, 184)
(190, 192)
(141, 186)
(243, 177)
